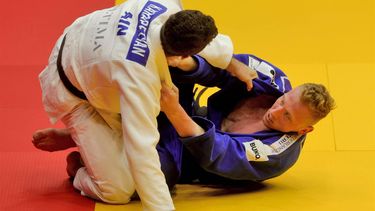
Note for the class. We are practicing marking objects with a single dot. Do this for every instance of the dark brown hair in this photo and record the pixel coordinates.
(187, 32)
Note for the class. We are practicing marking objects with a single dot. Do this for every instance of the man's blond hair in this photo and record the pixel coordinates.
(318, 99)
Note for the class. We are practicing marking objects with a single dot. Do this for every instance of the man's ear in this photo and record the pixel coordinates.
(308, 129)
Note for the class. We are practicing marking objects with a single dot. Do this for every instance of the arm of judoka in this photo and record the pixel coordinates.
(180, 120)
(219, 53)
(242, 72)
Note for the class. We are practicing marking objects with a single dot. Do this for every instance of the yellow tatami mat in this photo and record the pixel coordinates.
(327, 42)
(354, 119)
(321, 181)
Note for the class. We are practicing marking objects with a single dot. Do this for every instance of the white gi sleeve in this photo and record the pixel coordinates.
(178, 2)
(219, 51)
(140, 105)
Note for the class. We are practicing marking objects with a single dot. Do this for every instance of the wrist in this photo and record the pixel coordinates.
(232, 67)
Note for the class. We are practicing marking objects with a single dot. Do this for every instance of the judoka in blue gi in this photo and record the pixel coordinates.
(244, 135)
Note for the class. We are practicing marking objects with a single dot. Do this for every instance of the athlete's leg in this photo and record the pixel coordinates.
(106, 174)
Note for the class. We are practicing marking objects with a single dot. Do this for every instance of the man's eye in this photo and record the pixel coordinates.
(282, 101)
(287, 115)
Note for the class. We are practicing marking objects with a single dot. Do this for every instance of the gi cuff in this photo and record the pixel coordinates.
(207, 126)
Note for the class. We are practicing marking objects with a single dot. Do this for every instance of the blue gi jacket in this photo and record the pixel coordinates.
(218, 155)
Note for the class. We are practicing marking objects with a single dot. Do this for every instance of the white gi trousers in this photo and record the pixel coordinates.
(98, 135)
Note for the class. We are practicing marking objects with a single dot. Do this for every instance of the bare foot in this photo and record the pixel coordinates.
(74, 163)
(52, 139)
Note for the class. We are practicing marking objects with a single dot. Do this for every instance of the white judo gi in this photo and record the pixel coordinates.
(115, 57)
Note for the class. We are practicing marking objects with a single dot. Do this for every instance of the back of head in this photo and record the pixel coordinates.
(187, 32)
(318, 99)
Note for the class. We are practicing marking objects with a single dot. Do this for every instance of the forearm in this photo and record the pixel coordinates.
(183, 123)
(242, 72)
(204, 74)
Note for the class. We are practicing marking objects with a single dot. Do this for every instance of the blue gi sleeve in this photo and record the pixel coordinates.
(228, 157)
(205, 74)
(208, 75)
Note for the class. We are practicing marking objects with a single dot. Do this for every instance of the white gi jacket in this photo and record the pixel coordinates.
(115, 57)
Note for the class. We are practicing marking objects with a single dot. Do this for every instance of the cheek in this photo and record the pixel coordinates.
(282, 125)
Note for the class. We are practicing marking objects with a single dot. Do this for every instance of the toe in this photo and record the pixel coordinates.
(38, 135)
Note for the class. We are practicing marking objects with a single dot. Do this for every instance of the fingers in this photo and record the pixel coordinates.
(249, 85)
(164, 84)
(252, 74)
(168, 89)
(174, 89)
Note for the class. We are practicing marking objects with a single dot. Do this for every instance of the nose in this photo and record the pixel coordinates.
(277, 111)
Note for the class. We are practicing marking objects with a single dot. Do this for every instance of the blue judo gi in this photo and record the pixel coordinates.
(218, 156)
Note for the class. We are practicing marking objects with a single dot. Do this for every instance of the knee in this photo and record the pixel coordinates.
(113, 194)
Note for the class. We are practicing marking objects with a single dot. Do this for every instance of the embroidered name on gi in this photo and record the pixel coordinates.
(139, 51)
(124, 23)
(102, 27)
(284, 143)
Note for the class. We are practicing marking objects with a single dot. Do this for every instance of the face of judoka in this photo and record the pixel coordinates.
(289, 114)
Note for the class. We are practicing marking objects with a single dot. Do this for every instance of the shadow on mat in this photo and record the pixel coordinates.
(230, 189)
(236, 189)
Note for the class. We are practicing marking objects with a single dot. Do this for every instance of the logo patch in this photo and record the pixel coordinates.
(139, 51)
(257, 151)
